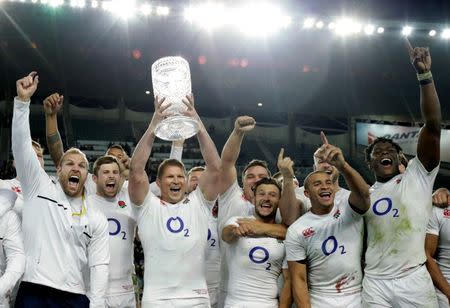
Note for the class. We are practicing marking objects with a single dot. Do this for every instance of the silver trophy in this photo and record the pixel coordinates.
(171, 79)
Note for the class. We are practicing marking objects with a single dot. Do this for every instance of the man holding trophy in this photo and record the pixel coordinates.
(173, 228)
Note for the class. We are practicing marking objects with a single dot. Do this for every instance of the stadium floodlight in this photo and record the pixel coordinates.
(380, 30)
(369, 29)
(308, 23)
(332, 25)
(432, 33)
(94, 4)
(319, 24)
(73, 3)
(56, 3)
(44, 1)
(34, 1)
(208, 16)
(445, 34)
(260, 19)
(162, 10)
(407, 30)
(122, 8)
(146, 9)
(347, 26)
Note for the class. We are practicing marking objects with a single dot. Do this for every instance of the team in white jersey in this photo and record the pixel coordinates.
(324, 246)
(173, 229)
(255, 262)
(437, 249)
(401, 205)
(12, 256)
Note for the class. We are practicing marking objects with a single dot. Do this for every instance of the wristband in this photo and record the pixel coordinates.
(424, 76)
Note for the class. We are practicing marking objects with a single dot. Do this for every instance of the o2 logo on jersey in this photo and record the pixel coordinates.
(176, 225)
(115, 228)
(260, 255)
(213, 240)
(383, 206)
(330, 245)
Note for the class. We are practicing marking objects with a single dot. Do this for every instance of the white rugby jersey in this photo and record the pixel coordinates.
(122, 222)
(59, 249)
(12, 256)
(397, 220)
(14, 185)
(439, 224)
(331, 244)
(174, 239)
(254, 265)
(213, 257)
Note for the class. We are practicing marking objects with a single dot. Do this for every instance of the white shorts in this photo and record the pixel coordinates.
(442, 299)
(250, 305)
(336, 301)
(213, 296)
(127, 300)
(413, 290)
(178, 303)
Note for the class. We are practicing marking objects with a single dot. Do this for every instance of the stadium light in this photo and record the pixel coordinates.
(308, 23)
(446, 34)
(162, 10)
(34, 1)
(208, 16)
(56, 3)
(319, 24)
(347, 26)
(332, 25)
(380, 30)
(407, 30)
(432, 33)
(94, 4)
(146, 9)
(369, 29)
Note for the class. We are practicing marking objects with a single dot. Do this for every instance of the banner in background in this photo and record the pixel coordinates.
(405, 136)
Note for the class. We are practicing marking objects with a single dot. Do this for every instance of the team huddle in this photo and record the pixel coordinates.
(68, 241)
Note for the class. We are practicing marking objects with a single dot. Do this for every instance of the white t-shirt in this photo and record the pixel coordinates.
(254, 266)
(59, 249)
(331, 244)
(213, 258)
(397, 221)
(439, 224)
(122, 222)
(14, 185)
(174, 239)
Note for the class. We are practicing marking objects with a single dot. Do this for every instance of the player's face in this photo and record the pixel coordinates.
(117, 153)
(267, 197)
(172, 184)
(320, 190)
(251, 176)
(72, 174)
(39, 155)
(108, 180)
(193, 180)
(384, 160)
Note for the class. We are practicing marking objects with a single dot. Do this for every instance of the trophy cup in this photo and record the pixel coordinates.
(171, 79)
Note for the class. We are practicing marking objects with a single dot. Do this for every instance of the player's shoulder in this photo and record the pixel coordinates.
(302, 221)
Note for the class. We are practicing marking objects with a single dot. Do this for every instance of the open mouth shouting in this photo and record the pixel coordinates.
(325, 196)
(386, 161)
(74, 180)
(111, 185)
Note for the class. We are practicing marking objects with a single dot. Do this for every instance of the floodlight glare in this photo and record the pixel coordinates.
(34, 1)
(94, 4)
(407, 30)
(319, 24)
(446, 34)
(308, 23)
(162, 10)
(347, 26)
(432, 33)
(146, 9)
(369, 29)
(208, 16)
(332, 26)
(380, 30)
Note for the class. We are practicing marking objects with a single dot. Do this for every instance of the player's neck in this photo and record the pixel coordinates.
(385, 179)
(321, 210)
(267, 220)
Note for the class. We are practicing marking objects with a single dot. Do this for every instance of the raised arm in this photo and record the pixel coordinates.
(431, 243)
(254, 227)
(138, 184)
(231, 150)
(299, 284)
(27, 165)
(52, 104)
(441, 197)
(359, 190)
(209, 180)
(176, 151)
(290, 207)
(428, 146)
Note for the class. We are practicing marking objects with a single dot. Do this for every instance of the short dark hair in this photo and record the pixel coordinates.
(256, 162)
(115, 146)
(266, 181)
(169, 162)
(305, 182)
(106, 159)
(196, 168)
(369, 149)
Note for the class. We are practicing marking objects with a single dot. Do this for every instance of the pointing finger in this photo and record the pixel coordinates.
(323, 137)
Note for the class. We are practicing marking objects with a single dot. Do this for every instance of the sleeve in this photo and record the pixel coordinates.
(176, 152)
(416, 172)
(295, 250)
(434, 224)
(231, 204)
(14, 252)
(154, 188)
(206, 205)
(232, 221)
(98, 283)
(28, 167)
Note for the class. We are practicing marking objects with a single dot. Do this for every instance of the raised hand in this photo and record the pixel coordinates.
(244, 124)
(189, 102)
(420, 57)
(441, 198)
(160, 111)
(26, 86)
(329, 153)
(285, 165)
(52, 104)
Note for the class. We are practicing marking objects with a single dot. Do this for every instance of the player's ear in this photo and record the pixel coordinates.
(94, 178)
(158, 182)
